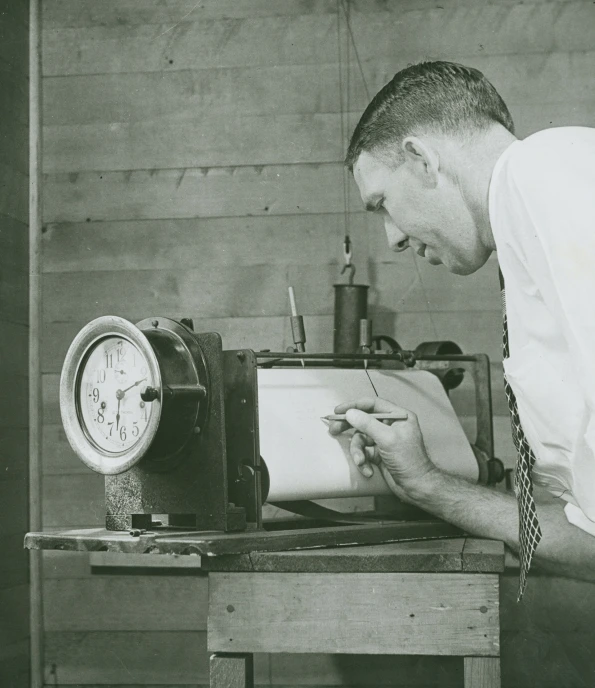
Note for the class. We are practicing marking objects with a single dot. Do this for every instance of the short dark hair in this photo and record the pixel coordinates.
(441, 96)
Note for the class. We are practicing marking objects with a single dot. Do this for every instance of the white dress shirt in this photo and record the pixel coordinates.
(542, 213)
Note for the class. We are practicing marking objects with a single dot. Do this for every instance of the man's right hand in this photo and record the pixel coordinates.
(397, 448)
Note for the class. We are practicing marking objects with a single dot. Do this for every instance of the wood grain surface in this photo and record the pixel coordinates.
(374, 613)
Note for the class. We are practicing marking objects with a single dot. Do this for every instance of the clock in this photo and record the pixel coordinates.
(132, 392)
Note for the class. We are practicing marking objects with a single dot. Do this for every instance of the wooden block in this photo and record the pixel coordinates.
(375, 613)
(126, 603)
(482, 672)
(483, 555)
(231, 671)
(426, 556)
(189, 193)
(131, 657)
(143, 564)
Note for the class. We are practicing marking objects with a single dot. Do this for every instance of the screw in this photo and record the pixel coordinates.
(241, 356)
(242, 401)
(155, 323)
(197, 430)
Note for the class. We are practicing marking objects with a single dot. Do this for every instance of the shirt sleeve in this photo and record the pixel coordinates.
(556, 186)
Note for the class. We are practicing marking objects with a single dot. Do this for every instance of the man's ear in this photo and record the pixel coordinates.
(423, 159)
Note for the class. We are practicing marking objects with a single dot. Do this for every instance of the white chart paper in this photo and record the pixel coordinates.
(305, 462)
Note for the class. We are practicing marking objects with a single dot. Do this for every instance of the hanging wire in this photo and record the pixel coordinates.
(347, 245)
(346, 7)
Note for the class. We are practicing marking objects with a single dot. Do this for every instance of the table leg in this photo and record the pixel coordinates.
(228, 670)
(482, 672)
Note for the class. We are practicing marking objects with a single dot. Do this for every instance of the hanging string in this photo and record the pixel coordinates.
(347, 245)
(351, 40)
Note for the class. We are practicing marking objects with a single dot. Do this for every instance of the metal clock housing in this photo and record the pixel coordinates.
(132, 392)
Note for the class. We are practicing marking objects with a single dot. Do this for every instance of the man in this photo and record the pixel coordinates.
(435, 155)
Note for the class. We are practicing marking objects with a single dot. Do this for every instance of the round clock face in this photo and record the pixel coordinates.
(110, 408)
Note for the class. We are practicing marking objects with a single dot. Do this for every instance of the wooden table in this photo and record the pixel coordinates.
(424, 597)
(438, 597)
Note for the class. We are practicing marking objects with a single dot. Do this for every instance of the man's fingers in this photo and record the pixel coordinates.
(369, 404)
(381, 434)
(358, 446)
(364, 404)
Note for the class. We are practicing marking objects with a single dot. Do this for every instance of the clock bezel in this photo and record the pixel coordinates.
(93, 456)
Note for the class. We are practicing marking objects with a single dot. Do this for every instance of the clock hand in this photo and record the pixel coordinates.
(123, 392)
(118, 415)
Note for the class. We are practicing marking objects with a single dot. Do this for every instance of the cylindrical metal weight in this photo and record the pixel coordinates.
(351, 306)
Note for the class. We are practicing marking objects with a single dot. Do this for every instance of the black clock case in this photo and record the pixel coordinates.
(214, 482)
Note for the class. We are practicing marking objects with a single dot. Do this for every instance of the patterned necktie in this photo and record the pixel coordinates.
(529, 530)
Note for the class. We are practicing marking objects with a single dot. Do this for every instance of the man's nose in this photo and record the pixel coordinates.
(397, 240)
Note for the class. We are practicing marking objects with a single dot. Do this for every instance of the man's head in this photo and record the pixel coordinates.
(422, 155)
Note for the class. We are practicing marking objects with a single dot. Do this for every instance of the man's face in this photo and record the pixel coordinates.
(427, 214)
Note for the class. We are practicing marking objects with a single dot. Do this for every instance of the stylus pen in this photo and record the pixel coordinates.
(394, 415)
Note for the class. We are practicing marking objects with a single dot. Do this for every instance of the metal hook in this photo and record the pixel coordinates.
(351, 268)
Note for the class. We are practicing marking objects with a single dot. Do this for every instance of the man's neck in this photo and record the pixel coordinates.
(470, 163)
(475, 162)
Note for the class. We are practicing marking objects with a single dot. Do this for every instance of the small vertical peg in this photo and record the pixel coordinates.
(297, 326)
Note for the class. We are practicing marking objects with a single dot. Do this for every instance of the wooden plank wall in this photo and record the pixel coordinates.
(192, 162)
(14, 336)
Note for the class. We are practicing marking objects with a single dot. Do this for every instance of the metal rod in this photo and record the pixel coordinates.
(363, 357)
(292, 302)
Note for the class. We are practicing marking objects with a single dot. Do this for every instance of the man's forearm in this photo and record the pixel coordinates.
(564, 549)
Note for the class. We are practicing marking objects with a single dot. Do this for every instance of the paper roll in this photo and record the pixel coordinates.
(305, 462)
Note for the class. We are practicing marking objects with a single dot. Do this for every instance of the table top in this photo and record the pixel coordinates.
(448, 551)
(469, 555)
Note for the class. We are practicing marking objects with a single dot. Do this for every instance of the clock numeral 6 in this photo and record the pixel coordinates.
(123, 433)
